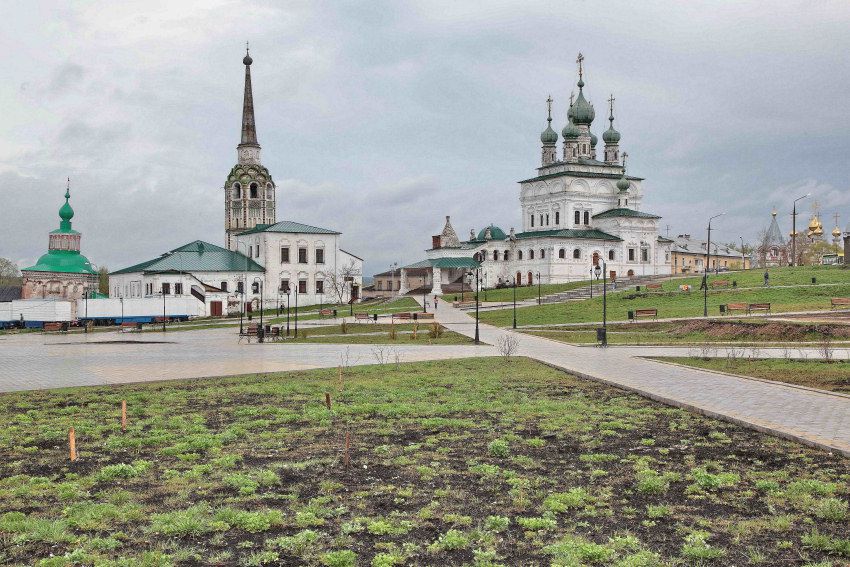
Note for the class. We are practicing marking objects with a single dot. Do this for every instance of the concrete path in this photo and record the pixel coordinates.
(809, 416)
(34, 361)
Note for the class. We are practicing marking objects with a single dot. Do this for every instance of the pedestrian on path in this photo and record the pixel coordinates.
(435, 302)
(766, 279)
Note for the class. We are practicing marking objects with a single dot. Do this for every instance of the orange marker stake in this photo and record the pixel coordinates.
(72, 442)
(123, 416)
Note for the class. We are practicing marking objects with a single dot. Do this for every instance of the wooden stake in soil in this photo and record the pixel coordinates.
(328, 400)
(347, 457)
(123, 416)
(72, 442)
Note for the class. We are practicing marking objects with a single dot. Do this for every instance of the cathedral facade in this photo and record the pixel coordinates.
(579, 210)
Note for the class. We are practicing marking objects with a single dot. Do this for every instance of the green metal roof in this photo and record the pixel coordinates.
(583, 161)
(587, 234)
(446, 263)
(664, 239)
(197, 256)
(624, 212)
(289, 227)
(64, 261)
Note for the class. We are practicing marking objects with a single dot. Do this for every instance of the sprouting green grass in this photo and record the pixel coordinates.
(476, 461)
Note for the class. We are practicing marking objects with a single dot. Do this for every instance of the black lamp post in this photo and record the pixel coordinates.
(477, 275)
(262, 330)
(514, 303)
(604, 271)
(121, 299)
(86, 291)
(425, 298)
(296, 311)
(350, 299)
(794, 230)
(485, 286)
(461, 289)
(539, 296)
(241, 305)
(707, 259)
(287, 310)
(591, 282)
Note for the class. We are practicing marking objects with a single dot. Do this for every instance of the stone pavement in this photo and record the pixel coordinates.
(34, 361)
(810, 416)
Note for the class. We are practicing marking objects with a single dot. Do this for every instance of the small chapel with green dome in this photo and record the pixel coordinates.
(62, 273)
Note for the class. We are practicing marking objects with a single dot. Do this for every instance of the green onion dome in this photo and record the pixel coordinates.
(570, 131)
(611, 136)
(549, 136)
(583, 112)
(593, 140)
(623, 183)
(496, 233)
(66, 213)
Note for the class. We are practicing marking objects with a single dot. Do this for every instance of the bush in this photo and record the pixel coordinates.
(560, 502)
(499, 448)
(452, 539)
(345, 558)
(831, 509)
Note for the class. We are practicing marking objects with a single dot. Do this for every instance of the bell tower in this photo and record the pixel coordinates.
(249, 192)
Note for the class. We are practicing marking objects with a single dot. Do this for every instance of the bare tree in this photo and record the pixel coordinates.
(9, 272)
(339, 281)
(507, 345)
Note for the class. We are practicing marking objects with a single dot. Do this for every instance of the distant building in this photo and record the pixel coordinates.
(62, 273)
(388, 284)
(772, 250)
(689, 255)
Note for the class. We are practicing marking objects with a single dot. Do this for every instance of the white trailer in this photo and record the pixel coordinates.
(36, 312)
(139, 309)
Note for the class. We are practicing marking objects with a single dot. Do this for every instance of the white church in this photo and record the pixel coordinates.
(577, 211)
(261, 258)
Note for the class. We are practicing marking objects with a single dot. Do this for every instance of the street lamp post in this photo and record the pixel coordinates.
(743, 257)
(705, 274)
(514, 303)
(241, 304)
(287, 310)
(477, 275)
(794, 230)
(601, 271)
(262, 330)
(350, 299)
(591, 282)
(539, 296)
(86, 291)
(485, 286)
(163, 309)
(296, 312)
(121, 299)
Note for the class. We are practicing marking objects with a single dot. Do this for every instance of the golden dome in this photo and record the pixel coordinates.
(814, 224)
(836, 232)
(818, 231)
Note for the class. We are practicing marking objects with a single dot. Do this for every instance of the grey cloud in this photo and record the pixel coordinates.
(65, 76)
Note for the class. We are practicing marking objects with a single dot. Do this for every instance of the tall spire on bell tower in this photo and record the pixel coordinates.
(549, 138)
(248, 150)
(611, 137)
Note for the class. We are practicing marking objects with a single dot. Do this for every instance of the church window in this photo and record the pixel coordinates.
(254, 190)
(531, 254)
(631, 254)
(320, 256)
(557, 217)
(284, 286)
(178, 289)
(562, 254)
(577, 254)
(320, 286)
(610, 254)
(586, 217)
(302, 255)
(495, 255)
(166, 289)
(269, 191)
(547, 219)
(644, 254)
(302, 286)
(507, 255)
(532, 220)
(542, 253)
(240, 287)
(258, 251)
(237, 191)
(284, 255)
(519, 254)
(578, 217)
(223, 286)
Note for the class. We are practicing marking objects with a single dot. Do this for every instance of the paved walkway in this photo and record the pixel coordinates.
(809, 416)
(33, 361)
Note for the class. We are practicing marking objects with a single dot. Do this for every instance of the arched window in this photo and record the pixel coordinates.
(578, 217)
(577, 254)
(586, 217)
(519, 254)
(542, 253)
(269, 191)
(531, 254)
(507, 255)
(562, 253)
(237, 191)
(254, 190)
(518, 280)
(610, 254)
(595, 258)
(530, 278)
(495, 255)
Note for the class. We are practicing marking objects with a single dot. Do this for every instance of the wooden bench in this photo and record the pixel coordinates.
(250, 331)
(640, 313)
(130, 326)
(838, 302)
(362, 317)
(720, 283)
(463, 304)
(326, 313)
(424, 316)
(654, 286)
(737, 307)
(402, 316)
(758, 307)
(52, 327)
(161, 320)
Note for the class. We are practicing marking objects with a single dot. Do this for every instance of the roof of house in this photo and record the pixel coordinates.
(587, 234)
(197, 256)
(410, 272)
(624, 212)
(446, 263)
(682, 245)
(350, 254)
(581, 161)
(291, 227)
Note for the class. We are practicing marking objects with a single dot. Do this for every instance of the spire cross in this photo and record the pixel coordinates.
(579, 59)
(549, 107)
(68, 189)
(611, 100)
(625, 155)
(247, 49)
(572, 96)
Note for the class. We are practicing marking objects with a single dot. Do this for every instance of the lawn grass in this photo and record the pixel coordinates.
(824, 375)
(740, 331)
(522, 292)
(469, 462)
(379, 333)
(672, 303)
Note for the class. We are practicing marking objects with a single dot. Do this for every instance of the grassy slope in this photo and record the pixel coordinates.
(833, 376)
(522, 292)
(511, 462)
(674, 303)
(378, 333)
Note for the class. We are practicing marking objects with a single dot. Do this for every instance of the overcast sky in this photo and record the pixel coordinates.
(379, 118)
